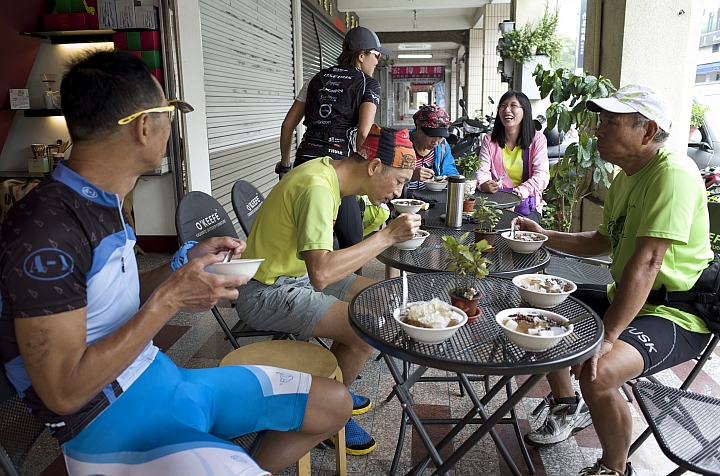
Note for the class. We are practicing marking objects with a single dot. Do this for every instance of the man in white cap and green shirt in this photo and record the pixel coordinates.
(655, 226)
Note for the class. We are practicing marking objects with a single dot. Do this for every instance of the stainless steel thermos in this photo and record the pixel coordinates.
(455, 197)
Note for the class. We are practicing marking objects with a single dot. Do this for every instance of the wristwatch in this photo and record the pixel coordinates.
(281, 170)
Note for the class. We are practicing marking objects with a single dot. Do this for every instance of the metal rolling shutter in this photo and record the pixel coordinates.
(321, 42)
(249, 87)
(331, 41)
(310, 44)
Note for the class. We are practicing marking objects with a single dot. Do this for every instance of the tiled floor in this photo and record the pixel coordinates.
(195, 340)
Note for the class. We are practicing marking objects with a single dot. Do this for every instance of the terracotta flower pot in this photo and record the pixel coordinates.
(692, 131)
(469, 306)
(489, 237)
(468, 205)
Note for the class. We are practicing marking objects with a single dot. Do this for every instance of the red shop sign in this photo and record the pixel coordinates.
(415, 72)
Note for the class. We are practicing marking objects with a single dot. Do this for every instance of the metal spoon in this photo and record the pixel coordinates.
(404, 292)
(228, 256)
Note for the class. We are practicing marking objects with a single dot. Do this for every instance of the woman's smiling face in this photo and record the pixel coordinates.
(511, 112)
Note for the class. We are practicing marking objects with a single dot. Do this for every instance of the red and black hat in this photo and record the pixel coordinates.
(432, 120)
(393, 147)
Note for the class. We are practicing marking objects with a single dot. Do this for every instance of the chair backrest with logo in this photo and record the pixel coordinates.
(199, 216)
(246, 200)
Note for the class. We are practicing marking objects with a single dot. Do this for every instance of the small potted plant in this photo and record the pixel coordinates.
(468, 165)
(468, 201)
(468, 264)
(697, 117)
(487, 216)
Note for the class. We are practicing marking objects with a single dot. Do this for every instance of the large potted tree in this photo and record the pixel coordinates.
(486, 216)
(468, 263)
(697, 117)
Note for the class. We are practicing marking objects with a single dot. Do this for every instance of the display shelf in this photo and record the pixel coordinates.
(21, 174)
(41, 112)
(72, 36)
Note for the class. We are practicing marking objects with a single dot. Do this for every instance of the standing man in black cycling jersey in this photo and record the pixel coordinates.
(338, 105)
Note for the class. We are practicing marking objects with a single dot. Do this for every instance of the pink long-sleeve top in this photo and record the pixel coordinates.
(492, 167)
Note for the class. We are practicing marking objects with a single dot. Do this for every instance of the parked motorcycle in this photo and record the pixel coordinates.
(556, 145)
(468, 139)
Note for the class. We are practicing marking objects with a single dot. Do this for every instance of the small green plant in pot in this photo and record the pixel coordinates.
(486, 216)
(468, 201)
(697, 117)
(467, 165)
(469, 265)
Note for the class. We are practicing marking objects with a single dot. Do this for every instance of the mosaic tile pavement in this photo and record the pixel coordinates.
(195, 341)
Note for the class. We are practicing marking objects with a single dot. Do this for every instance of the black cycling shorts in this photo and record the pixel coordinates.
(661, 342)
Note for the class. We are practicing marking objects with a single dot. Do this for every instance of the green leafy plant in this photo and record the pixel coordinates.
(697, 116)
(468, 165)
(520, 45)
(467, 262)
(581, 169)
(486, 215)
(546, 37)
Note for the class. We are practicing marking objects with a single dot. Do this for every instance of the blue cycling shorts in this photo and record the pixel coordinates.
(177, 421)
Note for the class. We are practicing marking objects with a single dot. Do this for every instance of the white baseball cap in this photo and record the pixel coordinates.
(636, 98)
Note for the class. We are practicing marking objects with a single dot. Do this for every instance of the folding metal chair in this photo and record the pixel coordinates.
(198, 217)
(246, 201)
(684, 424)
(19, 430)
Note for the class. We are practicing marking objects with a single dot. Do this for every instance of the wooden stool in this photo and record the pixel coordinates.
(302, 357)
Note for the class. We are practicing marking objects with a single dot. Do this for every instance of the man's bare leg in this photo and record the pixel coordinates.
(328, 409)
(608, 408)
(561, 383)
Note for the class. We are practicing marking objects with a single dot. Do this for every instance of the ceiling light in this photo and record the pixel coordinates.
(415, 56)
(414, 46)
(415, 24)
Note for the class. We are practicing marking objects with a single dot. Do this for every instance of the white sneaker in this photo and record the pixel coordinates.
(560, 424)
(600, 469)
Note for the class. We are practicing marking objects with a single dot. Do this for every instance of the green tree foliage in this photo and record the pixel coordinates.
(580, 170)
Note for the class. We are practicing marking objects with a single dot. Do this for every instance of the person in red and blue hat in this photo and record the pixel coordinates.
(432, 152)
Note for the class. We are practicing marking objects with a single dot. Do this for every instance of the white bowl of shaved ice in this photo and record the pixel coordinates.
(430, 322)
(533, 330)
(543, 290)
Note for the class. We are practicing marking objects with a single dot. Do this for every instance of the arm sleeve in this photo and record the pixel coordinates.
(372, 91)
(44, 265)
(302, 95)
(447, 167)
(483, 174)
(538, 181)
(315, 211)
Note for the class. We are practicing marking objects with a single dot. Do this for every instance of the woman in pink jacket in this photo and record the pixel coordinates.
(514, 157)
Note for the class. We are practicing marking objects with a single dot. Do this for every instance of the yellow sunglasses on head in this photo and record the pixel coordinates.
(173, 104)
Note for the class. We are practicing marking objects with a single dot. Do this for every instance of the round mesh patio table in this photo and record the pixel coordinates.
(434, 217)
(478, 348)
(503, 199)
(431, 256)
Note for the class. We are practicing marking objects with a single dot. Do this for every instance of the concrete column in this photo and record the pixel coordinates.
(633, 41)
(492, 86)
(192, 89)
(475, 72)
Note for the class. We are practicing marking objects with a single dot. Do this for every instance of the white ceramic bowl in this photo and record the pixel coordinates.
(407, 205)
(540, 299)
(524, 247)
(236, 267)
(413, 243)
(529, 342)
(432, 336)
(434, 186)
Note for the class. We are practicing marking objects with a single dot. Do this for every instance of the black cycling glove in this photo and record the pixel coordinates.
(281, 170)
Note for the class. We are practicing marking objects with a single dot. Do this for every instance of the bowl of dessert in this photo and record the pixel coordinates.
(430, 322)
(414, 242)
(407, 205)
(543, 290)
(534, 330)
(524, 242)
